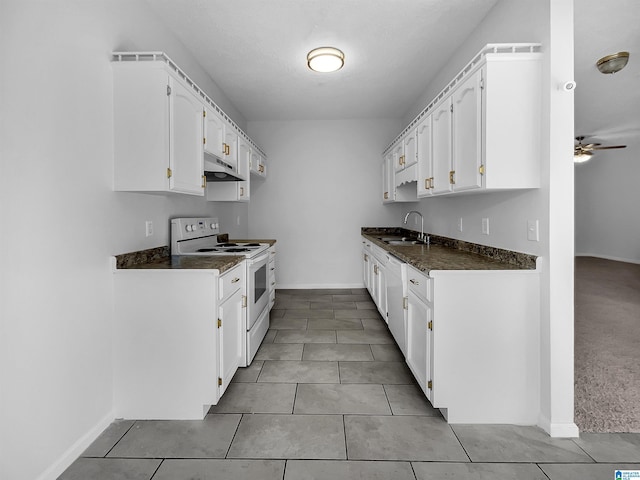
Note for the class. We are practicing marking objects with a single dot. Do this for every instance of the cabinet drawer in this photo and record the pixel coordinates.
(231, 281)
(419, 283)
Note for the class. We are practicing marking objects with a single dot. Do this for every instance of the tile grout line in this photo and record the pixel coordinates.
(226, 455)
(114, 445)
(156, 470)
(460, 442)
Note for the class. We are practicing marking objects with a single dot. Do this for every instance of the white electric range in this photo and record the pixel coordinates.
(199, 236)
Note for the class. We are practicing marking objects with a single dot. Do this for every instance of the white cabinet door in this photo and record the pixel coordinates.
(258, 164)
(398, 156)
(186, 158)
(214, 133)
(419, 341)
(441, 147)
(230, 338)
(230, 146)
(467, 133)
(366, 267)
(423, 144)
(388, 188)
(409, 155)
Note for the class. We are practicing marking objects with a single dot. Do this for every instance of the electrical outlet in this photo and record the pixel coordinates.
(533, 230)
(460, 224)
(485, 226)
(148, 228)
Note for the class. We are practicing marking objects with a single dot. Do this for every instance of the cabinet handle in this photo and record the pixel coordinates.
(414, 281)
(366, 257)
(242, 191)
(426, 184)
(386, 195)
(204, 181)
(235, 280)
(244, 301)
(431, 183)
(273, 283)
(451, 179)
(224, 148)
(375, 269)
(481, 169)
(405, 302)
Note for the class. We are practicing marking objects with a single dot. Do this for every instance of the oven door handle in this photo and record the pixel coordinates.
(254, 261)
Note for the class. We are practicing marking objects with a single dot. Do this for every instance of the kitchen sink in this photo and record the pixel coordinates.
(400, 241)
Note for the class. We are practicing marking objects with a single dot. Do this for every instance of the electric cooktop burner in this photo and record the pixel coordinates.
(236, 250)
(227, 245)
(207, 250)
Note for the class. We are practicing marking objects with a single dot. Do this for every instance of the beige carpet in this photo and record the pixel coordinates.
(607, 345)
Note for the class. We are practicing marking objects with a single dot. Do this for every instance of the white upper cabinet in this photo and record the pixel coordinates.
(164, 124)
(466, 134)
(425, 156)
(236, 191)
(186, 157)
(157, 131)
(484, 126)
(409, 144)
(258, 165)
(214, 126)
(441, 147)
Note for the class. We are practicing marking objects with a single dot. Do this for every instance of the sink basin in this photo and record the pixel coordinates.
(401, 242)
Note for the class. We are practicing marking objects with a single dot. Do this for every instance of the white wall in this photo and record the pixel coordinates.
(551, 24)
(61, 221)
(324, 182)
(607, 199)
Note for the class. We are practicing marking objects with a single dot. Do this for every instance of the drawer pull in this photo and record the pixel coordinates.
(272, 269)
(414, 281)
(235, 280)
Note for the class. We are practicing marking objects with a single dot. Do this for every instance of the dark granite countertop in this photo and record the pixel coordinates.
(160, 259)
(449, 254)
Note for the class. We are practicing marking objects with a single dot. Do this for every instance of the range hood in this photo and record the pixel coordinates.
(217, 170)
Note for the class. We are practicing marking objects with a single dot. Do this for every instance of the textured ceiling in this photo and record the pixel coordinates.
(255, 50)
(607, 107)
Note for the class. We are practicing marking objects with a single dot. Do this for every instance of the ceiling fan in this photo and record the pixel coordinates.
(583, 152)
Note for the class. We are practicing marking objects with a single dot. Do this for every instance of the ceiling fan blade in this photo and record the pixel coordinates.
(591, 145)
(608, 147)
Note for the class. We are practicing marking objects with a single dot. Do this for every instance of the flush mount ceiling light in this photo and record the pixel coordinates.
(613, 63)
(325, 59)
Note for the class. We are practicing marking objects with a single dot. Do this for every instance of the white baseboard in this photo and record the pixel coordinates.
(70, 456)
(558, 430)
(608, 257)
(298, 286)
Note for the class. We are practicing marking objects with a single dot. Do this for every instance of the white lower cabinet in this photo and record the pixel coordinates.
(419, 334)
(231, 327)
(178, 339)
(471, 338)
(374, 274)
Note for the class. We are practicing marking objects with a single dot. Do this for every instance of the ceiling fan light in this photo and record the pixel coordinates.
(325, 59)
(581, 157)
(613, 63)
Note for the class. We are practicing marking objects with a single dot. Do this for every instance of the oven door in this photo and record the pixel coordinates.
(257, 292)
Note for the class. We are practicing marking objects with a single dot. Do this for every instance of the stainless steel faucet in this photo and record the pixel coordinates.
(421, 237)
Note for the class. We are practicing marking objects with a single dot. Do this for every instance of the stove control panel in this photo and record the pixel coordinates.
(187, 228)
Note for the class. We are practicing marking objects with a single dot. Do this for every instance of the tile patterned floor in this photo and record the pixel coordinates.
(330, 397)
